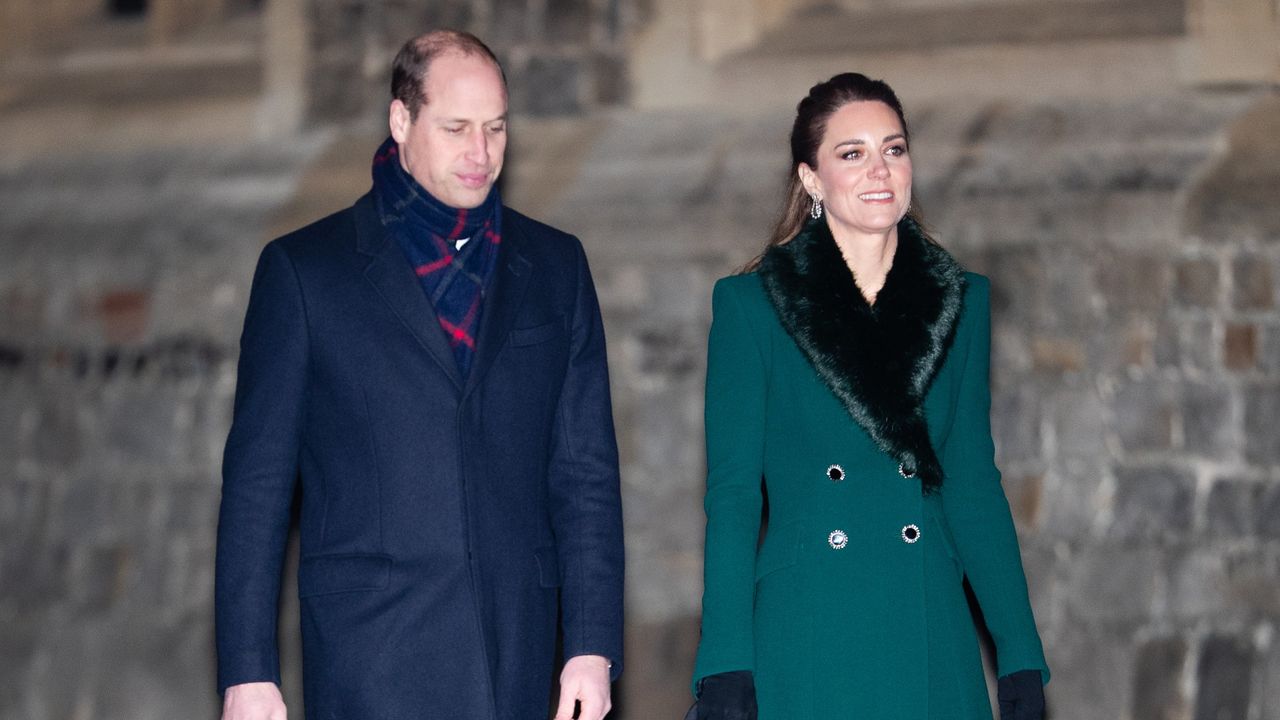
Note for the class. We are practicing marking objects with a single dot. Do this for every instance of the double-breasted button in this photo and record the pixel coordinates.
(835, 473)
(910, 534)
(837, 539)
(905, 471)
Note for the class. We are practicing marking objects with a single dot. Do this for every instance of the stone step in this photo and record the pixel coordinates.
(832, 29)
(1054, 49)
(1096, 68)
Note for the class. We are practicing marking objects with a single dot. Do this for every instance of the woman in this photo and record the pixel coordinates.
(848, 369)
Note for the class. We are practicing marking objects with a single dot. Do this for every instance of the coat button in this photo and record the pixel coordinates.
(910, 534)
(835, 473)
(837, 539)
(905, 472)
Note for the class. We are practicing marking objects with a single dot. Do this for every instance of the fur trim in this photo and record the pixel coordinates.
(878, 359)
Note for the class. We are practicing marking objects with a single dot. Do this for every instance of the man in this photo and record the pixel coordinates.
(429, 366)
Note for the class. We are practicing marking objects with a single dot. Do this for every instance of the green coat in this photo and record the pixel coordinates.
(853, 606)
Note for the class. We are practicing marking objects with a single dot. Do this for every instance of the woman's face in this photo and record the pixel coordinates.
(863, 175)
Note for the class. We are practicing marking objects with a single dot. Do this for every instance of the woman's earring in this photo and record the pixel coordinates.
(815, 211)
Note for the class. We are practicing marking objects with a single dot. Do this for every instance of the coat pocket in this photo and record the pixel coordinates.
(548, 567)
(328, 574)
(781, 549)
(536, 334)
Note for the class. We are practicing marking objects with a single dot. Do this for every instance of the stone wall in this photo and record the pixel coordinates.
(1133, 244)
(561, 56)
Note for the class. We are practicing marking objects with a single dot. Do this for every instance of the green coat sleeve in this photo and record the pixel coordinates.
(974, 501)
(735, 422)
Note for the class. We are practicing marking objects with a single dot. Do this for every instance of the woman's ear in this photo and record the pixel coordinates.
(809, 179)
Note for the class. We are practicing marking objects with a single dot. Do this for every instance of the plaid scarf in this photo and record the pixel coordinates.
(427, 230)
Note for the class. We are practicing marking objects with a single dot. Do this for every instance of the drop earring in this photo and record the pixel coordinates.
(815, 211)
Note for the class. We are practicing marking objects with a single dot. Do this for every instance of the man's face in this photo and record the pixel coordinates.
(454, 147)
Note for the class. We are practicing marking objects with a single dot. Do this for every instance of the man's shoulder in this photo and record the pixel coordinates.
(537, 231)
(336, 231)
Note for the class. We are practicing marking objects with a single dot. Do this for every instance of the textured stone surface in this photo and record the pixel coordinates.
(1225, 676)
(1130, 242)
(1157, 680)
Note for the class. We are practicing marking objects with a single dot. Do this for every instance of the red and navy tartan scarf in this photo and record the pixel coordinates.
(427, 230)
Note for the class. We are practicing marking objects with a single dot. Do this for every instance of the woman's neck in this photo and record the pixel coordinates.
(869, 258)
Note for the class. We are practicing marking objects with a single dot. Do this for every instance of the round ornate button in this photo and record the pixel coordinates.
(835, 473)
(910, 534)
(904, 472)
(837, 539)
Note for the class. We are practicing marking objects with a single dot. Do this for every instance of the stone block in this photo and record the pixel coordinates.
(59, 430)
(1100, 661)
(1072, 496)
(1196, 283)
(551, 85)
(1253, 286)
(1199, 586)
(1269, 356)
(568, 21)
(1157, 680)
(610, 80)
(1187, 343)
(1224, 673)
(659, 665)
(1112, 585)
(1209, 427)
(1079, 423)
(1152, 503)
(1145, 411)
(1261, 418)
(1269, 689)
(1133, 282)
(1267, 512)
(1231, 510)
(123, 314)
(1240, 346)
(147, 425)
(1253, 573)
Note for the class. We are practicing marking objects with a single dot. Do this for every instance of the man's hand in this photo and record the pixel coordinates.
(585, 680)
(254, 701)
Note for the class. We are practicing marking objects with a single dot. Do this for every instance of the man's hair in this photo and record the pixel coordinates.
(409, 70)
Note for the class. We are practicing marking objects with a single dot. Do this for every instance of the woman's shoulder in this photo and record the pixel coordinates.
(742, 289)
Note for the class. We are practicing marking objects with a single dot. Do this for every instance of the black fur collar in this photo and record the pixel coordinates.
(878, 359)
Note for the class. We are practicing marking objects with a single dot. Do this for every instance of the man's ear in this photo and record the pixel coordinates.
(400, 120)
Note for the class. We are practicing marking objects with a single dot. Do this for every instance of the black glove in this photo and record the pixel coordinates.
(1021, 696)
(725, 696)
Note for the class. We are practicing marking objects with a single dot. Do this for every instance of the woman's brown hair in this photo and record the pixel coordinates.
(812, 114)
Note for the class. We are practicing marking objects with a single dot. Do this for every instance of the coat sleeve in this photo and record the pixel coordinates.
(259, 472)
(735, 427)
(975, 505)
(586, 504)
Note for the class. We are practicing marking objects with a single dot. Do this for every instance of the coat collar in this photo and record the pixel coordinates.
(878, 359)
(391, 276)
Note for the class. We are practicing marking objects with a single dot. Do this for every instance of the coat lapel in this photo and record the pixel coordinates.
(389, 273)
(503, 300)
(878, 360)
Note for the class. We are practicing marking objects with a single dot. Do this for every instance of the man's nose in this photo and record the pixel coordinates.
(478, 147)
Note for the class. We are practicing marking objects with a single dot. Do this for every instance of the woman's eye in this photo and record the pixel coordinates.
(852, 155)
(897, 150)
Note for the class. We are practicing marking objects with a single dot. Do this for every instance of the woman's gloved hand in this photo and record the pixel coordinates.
(1021, 696)
(725, 696)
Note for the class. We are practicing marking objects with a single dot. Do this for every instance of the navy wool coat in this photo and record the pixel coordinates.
(445, 522)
